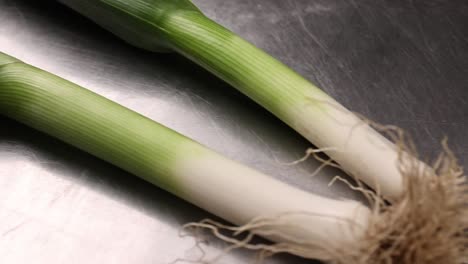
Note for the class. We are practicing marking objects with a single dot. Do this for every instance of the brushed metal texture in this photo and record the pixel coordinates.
(399, 62)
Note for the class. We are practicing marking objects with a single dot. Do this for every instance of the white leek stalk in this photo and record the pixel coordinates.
(168, 159)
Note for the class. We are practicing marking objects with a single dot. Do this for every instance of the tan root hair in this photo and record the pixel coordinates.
(428, 224)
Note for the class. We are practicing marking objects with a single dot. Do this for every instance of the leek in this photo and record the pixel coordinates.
(170, 160)
(427, 224)
(169, 25)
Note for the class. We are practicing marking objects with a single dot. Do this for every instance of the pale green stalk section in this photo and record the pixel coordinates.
(91, 122)
(249, 69)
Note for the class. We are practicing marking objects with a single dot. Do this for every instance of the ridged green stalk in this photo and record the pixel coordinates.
(90, 122)
(258, 75)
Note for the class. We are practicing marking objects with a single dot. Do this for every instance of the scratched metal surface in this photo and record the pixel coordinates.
(399, 62)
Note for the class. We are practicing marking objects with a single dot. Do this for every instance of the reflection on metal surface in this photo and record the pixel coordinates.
(392, 62)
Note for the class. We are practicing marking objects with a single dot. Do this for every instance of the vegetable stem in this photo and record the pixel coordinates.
(360, 150)
(168, 159)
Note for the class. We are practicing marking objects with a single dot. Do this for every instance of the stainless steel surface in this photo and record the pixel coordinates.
(399, 62)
